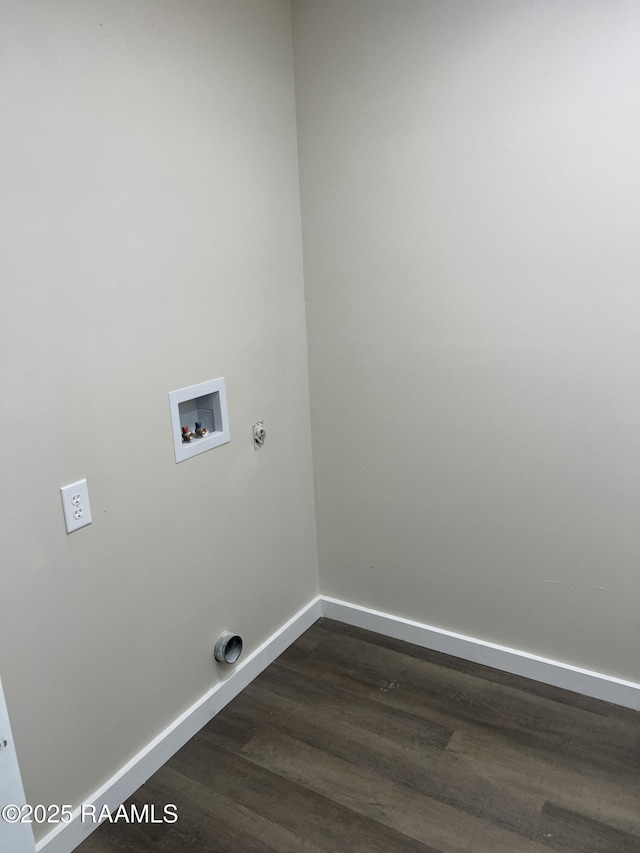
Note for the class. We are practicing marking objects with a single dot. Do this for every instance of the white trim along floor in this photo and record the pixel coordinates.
(66, 837)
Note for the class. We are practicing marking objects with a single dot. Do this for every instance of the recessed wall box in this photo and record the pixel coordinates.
(205, 404)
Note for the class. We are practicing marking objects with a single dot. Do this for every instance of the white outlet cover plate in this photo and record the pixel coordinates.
(76, 506)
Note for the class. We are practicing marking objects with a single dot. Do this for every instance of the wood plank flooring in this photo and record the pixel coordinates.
(354, 742)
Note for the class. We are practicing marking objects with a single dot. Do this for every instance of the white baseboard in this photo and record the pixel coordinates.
(594, 684)
(66, 837)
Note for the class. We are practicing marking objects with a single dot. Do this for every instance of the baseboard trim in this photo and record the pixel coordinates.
(66, 837)
(553, 672)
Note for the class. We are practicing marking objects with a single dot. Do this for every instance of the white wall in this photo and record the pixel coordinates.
(150, 239)
(470, 207)
(471, 197)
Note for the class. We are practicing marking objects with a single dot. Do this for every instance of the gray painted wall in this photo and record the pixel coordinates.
(151, 239)
(470, 203)
(471, 197)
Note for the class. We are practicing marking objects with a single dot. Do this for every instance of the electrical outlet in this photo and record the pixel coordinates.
(259, 435)
(75, 503)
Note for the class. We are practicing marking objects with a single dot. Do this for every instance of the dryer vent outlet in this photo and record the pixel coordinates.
(228, 647)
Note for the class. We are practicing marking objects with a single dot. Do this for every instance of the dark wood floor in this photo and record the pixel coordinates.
(353, 742)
